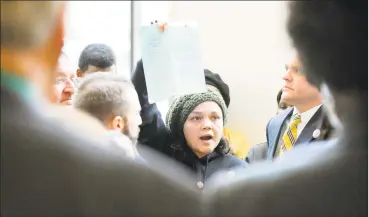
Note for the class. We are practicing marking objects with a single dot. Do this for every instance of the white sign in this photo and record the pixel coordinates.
(172, 60)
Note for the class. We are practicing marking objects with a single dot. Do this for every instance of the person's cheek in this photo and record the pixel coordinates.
(57, 92)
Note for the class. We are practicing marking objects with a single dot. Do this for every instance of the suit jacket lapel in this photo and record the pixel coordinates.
(315, 123)
(274, 131)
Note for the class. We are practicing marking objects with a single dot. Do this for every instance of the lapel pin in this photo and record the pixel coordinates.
(316, 133)
(200, 185)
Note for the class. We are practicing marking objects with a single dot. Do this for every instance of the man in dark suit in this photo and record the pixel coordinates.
(47, 169)
(318, 128)
(284, 131)
(325, 178)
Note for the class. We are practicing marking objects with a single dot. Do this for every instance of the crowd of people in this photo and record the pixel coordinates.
(87, 142)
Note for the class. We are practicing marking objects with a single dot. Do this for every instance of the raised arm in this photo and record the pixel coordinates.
(153, 132)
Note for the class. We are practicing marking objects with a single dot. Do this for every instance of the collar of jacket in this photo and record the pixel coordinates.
(209, 157)
(193, 161)
(18, 84)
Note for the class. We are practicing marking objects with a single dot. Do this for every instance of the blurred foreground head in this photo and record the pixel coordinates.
(77, 121)
(85, 124)
(331, 39)
(31, 40)
(327, 178)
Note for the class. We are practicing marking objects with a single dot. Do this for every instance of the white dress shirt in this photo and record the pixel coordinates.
(305, 118)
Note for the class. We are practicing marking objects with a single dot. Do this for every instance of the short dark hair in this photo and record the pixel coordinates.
(279, 96)
(99, 55)
(215, 80)
(103, 95)
(331, 39)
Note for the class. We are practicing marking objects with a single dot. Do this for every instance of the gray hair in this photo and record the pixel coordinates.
(103, 95)
(27, 24)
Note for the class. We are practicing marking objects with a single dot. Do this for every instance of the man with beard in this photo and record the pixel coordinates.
(326, 178)
(50, 169)
(113, 100)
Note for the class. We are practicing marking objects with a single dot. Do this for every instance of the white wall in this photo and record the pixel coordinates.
(105, 22)
(246, 43)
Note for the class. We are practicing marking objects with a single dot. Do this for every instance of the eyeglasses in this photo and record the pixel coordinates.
(63, 80)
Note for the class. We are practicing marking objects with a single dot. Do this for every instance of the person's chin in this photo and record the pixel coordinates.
(207, 146)
(287, 97)
(67, 102)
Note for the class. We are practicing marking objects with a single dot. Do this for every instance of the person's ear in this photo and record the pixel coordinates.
(117, 123)
(79, 73)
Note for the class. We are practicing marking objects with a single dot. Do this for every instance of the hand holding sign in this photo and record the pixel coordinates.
(172, 60)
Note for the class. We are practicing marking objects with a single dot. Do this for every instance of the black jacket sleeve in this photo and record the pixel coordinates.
(153, 132)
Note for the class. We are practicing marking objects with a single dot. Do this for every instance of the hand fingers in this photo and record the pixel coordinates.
(162, 25)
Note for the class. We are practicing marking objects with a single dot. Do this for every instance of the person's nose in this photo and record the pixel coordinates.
(69, 86)
(207, 124)
(287, 76)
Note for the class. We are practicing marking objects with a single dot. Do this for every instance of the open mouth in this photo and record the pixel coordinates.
(67, 102)
(206, 138)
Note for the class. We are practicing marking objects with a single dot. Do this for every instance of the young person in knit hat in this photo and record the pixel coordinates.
(153, 125)
(179, 139)
(195, 130)
(236, 140)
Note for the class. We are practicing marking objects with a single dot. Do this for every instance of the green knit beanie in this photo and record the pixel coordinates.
(182, 106)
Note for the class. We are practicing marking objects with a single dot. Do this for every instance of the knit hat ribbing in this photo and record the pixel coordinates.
(182, 106)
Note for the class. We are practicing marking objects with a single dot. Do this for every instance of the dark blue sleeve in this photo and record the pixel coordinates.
(240, 163)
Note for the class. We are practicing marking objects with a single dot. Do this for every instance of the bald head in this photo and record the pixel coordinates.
(32, 35)
(27, 24)
(65, 64)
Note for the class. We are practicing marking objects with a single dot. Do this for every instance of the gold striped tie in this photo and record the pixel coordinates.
(290, 136)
